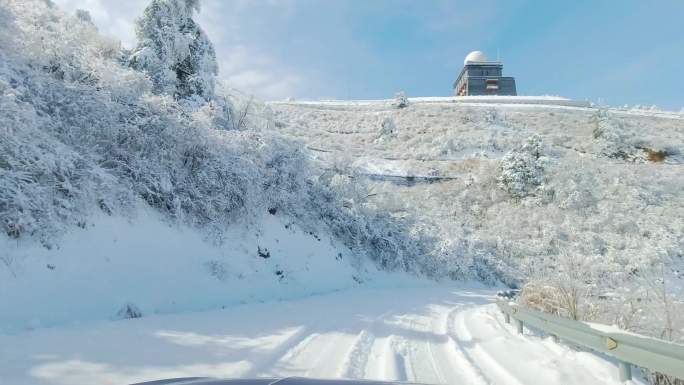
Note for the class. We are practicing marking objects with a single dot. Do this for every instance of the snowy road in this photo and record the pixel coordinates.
(433, 335)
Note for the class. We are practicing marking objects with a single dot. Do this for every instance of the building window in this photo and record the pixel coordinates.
(492, 84)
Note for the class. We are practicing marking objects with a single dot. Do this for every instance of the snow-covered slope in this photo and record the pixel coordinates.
(157, 268)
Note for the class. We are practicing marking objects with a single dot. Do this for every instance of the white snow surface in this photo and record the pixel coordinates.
(430, 334)
(545, 100)
(161, 268)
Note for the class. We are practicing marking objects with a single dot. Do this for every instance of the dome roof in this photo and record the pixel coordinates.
(475, 56)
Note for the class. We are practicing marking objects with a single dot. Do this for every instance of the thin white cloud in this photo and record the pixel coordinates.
(113, 18)
(258, 74)
(244, 66)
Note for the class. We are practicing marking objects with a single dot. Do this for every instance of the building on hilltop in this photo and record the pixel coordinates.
(482, 77)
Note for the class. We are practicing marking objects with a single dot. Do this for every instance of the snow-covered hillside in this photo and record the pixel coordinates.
(121, 265)
(522, 189)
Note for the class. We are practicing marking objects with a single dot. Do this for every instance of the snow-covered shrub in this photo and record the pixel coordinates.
(388, 130)
(174, 51)
(84, 15)
(400, 100)
(492, 116)
(392, 244)
(43, 183)
(611, 135)
(565, 284)
(616, 139)
(522, 170)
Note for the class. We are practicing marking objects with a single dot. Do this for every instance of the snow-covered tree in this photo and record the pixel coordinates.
(388, 130)
(400, 100)
(174, 51)
(522, 169)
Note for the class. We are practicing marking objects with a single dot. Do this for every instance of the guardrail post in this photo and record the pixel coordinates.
(519, 326)
(507, 317)
(625, 370)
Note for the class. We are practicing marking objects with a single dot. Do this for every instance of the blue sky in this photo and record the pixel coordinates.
(616, 52)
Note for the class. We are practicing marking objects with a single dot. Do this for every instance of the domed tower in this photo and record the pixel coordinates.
(482, 77)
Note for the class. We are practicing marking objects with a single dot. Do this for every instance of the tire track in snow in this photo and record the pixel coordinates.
(381, 363)
(398, 362)
(488, 365)
(297, 350)
(317, 355)
(424, 369)
(387, 359)
(367, 357)
(326, 358)
(357, 358)
(471, 372)
(438, 372)
(268, 364)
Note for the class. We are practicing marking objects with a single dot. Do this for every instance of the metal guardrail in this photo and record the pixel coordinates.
(629, 348)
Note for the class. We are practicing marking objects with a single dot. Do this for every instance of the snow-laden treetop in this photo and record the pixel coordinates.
(174, 51)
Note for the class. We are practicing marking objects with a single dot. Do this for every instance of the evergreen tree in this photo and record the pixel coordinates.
(174, 51)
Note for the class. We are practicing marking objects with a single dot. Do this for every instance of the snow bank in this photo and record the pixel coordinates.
(163, 268)
(494, 99)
